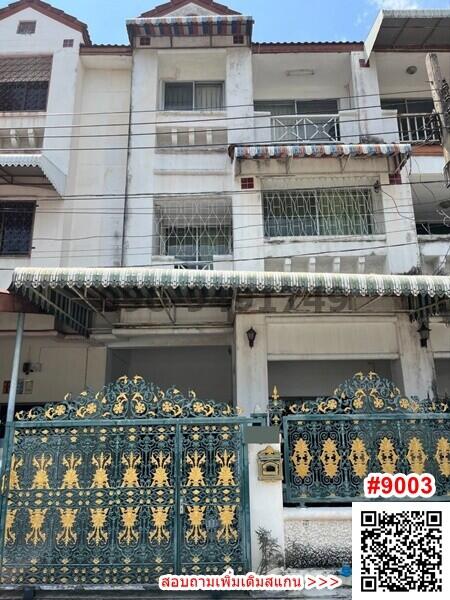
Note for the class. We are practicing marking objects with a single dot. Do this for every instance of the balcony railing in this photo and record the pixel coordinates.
(195, 137)
(305, 128)
(419, 128)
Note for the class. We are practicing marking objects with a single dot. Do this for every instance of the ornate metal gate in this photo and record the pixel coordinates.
(124, 486)
(367, 425)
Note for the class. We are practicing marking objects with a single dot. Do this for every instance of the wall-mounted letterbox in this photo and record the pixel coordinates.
(269, 465)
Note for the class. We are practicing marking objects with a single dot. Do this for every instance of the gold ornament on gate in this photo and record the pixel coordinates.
(226, 461)
(98, 522)
(68, 517)
(330, 457)
(10, 536)
(101, 462)
(416, 456)
(301, 458)
(130, 477)
(195, 476)
(160, 476)
(226, 517)
(358, 457)
(442, 456)
(70, 479)
(196, 533)
(16, 463)
(40, 481)
(160, 516)
(36, 518)
(128, 534)
(387, 456)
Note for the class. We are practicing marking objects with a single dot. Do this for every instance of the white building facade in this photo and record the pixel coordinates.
(194, 148)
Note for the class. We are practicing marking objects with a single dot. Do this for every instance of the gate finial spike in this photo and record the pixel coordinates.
(275, 394)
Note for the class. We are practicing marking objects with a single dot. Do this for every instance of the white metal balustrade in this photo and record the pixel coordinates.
(305, 128)
(419, 128)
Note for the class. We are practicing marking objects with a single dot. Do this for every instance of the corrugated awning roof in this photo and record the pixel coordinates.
(410, 30)
(223, 25)
(31, 165)
(318, 150)
(75, 294)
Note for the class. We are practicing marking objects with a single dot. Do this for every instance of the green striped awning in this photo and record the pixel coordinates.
(76, 293)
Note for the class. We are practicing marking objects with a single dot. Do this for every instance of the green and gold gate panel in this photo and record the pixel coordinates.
(366, 426)
(124, 486)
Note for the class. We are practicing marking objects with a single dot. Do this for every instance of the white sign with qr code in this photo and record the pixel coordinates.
(401, 547)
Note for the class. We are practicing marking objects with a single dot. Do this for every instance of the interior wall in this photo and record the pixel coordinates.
(443, 376)
(319, 377)
(206, 370)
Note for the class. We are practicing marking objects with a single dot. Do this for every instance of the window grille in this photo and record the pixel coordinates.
(193, 95)
(194, 232)
(24, 83)
(16, 227)
(26, 27)
(333, 212)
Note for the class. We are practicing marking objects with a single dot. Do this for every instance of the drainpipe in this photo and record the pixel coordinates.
(127, 164)
(15, 369)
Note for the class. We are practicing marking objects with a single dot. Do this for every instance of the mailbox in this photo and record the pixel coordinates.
(269, 465)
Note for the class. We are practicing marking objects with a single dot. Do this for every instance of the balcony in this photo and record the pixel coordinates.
(316, 129)
(419, 128)
(329, 230)
(21, 132)
(193, 234)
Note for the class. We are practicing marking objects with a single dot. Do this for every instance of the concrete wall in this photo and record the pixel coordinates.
(318, 537)
(205, 370)
(68, 364)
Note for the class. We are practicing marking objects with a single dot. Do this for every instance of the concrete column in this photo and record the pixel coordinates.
(252, 387)
(416, 375)
(139, 221)
(248, 230)
(239, 95)
(266, 504)
(400, 227)
(366, 96)
(61, 106)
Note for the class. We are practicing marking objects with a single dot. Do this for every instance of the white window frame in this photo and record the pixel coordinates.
(194, 83)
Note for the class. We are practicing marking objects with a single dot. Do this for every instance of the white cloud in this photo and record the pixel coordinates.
(396, 4)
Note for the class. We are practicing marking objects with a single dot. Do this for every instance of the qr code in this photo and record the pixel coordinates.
(400, 547)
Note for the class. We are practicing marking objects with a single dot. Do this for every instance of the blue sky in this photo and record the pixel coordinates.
(275, 20)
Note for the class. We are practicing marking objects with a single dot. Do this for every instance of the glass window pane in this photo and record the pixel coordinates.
(317, 107)
(178, 96)
(16, 223)
(208, 96)
(36, 95)
(276, 107)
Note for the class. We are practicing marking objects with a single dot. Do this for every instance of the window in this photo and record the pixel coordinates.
(298, 107)
(193, 95)
(24, 83)
(23, 95)
(334, 212)
(408, 105)
(416, 121)
(68, 43)
(26, 27)
(16, 227)
(197, 243)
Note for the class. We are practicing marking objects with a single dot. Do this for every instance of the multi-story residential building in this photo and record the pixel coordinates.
(263, 184)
